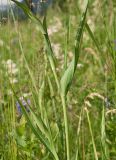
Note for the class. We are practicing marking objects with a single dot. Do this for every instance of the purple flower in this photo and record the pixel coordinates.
(25, 103)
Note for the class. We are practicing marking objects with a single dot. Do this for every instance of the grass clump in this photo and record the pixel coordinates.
(57, 87)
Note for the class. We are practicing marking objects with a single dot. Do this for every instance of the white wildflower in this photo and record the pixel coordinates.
(56, 48)
(87, 103)
(94, 94)
(79, 65)
(55, 27)
(26, 94)
(13, 71)
(9, 62)
(51, 30)
(11, 67)
(13, 80)
(112, 111)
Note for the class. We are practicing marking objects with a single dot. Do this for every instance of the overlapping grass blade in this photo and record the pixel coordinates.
(67, 40)
(50, 54)
(95, 41)
(69, 73)
(43, 29)
(40, 123)
(45, 131)
(91, 132)
(91, 34)
(29, 14)
(105, 153)
(41, 131)
(67, 77)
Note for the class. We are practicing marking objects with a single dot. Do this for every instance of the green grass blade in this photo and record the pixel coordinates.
(69, 73)
(50, 54)
(43, 29)
(40, 123)
(91, 34)
(103, 136)
(28, 12)
(67, 40)
(66, 79)
(38, 133)
(92, 37)
(78, 134)
(95, 41)
(91, 132)
(45, 131)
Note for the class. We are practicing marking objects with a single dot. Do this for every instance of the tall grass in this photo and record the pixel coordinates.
(71, 115)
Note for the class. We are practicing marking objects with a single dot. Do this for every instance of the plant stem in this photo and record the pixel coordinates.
(90, 128)
(63, 98)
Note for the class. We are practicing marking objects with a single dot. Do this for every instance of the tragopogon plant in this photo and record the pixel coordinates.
(38, 126)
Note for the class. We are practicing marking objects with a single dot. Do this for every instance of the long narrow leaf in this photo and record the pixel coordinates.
(66, 79)
(40, 124)
(30, 14)
(43, 29)
(50, 54)
(35, 129)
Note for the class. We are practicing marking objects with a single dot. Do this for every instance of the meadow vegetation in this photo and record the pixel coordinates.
(58, 83)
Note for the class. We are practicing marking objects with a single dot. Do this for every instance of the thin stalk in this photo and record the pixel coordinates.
(67, 40)
(63, 98)
(103, 136)
(78, 134)
(90, 128)
(51, 58)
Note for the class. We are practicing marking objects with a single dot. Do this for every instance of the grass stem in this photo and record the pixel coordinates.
(66, 126)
